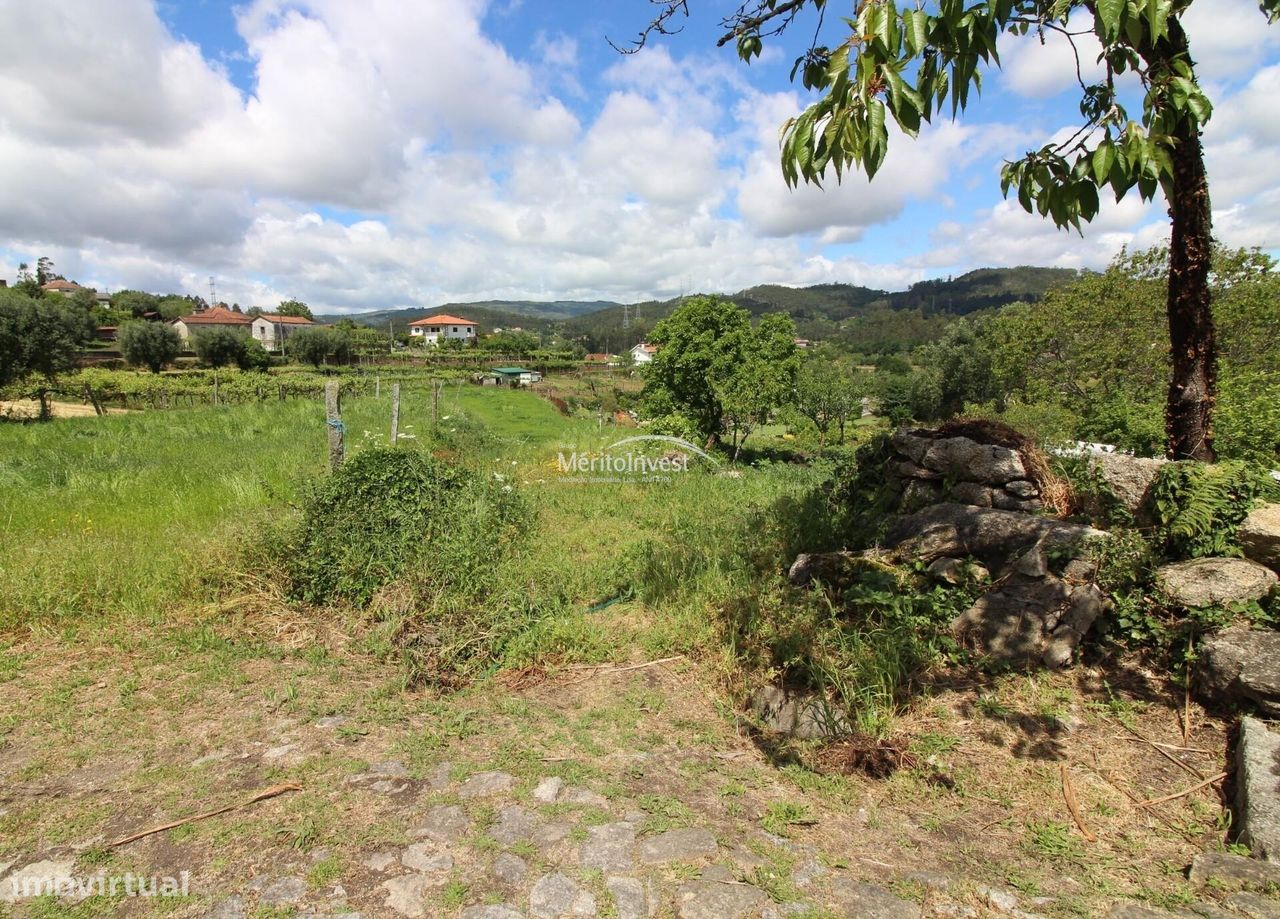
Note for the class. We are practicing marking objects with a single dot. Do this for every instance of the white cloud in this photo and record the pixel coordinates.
(914, 169)
(1229, 38)
(469, 178)
(1038, 66)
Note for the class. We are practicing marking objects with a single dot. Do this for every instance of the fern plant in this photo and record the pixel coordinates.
(1199, 507)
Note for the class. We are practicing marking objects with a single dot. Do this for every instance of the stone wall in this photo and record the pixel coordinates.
(927, 468)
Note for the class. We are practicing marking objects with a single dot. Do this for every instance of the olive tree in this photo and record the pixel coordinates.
(149, 344)
(909, 63)
(219, 347)
(40, 337)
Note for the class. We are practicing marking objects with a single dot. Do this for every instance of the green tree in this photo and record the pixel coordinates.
(713, 367)
(217, 348)
(40, 338)
(45, 272)
(135, 302)
(962, 362)
(26, 282)
(295, 308)
(316, 345)
(1098, 348)
(909, 63)
(254, 356)
(827, 395)
(175, 307)
(149, 344)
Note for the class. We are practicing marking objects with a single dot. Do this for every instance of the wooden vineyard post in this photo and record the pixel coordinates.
(93, 400)
(377, 387)
(395, 413)
(435, 402)
(281, 392)
(333, 419)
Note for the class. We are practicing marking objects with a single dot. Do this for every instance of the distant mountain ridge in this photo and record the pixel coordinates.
(820, 311)
(539, 314)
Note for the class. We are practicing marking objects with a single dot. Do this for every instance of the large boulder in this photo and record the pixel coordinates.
(1038, 611)
(1031, 620)
(1214, 582)
(1128, 478)
(1257, 803)
(966, 459)
(1240, 666)
(994, 536)
(1260, 536)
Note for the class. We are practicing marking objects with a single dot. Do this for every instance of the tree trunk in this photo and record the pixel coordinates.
(1194, 351)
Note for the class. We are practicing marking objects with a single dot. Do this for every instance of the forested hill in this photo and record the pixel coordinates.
(979, 289)
(536, 315)
(864, 318)
(869, 319)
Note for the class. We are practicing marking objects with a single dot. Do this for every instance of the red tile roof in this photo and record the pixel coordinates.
(286, 320)
(217, 316)
(60, 285)
(442, 320)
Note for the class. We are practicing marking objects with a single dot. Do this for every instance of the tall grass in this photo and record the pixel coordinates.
(118, 516)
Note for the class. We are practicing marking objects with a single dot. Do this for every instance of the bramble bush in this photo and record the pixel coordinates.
(391, 513)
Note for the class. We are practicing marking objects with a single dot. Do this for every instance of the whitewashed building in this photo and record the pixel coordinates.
(643, 353)
(435, 329)
(272, 330)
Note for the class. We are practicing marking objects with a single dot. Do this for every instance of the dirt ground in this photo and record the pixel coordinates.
(407, 804)
(30, 408)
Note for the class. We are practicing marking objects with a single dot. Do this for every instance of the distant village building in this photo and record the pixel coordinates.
(272, 330)
(61, 286)
(70, 288)
(643, 353)
(434, 329)
(216, 318)
(803, 344)
(516, 376)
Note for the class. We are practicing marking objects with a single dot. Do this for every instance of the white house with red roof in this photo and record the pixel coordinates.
(272, 330)
(442, 327)
(643, 353)
(216, 318)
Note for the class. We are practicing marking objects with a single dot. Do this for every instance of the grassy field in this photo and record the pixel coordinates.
(119, 519)
(151, 669)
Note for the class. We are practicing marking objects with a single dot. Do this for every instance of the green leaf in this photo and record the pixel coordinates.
(1156, 20)
(1110, 13)
(915, 31)
(1103, 159)
(1088, 200)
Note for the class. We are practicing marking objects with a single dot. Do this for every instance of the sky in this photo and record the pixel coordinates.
(390, 154)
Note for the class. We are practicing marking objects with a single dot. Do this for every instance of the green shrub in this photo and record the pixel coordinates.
(673, 424)
(1199, 506)
(859, 497)
(219, 347)
(1247, 420)
(388, 514)
(866, 650)
(253, 357)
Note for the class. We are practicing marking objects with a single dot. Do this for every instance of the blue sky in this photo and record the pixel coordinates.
(384, 154)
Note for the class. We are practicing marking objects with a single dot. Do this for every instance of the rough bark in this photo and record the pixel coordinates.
(1193, 386)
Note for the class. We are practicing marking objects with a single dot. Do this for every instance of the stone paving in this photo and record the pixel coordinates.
(567, 852)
